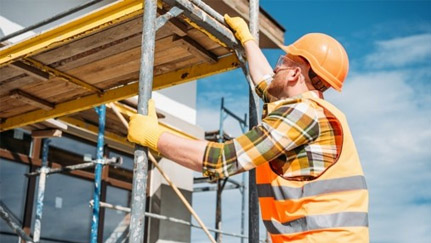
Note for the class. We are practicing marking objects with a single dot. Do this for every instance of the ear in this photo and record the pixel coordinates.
(294, 74)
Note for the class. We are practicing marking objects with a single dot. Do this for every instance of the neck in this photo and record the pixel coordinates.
(300, 88)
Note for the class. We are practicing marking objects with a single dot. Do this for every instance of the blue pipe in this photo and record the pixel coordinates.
(101, 110)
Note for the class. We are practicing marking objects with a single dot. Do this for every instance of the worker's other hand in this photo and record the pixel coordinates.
(145, 129)
(240, 27)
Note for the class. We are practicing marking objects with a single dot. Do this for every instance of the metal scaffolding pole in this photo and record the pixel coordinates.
(41, 190)
(107, 161)
(50, 20)
(140, 167)
(101, 111)
(13, 223)
(253, 203)
(224, 112)
(171, 219)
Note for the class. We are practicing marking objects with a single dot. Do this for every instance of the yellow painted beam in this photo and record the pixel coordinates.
(162, 81)
(129, 111)
(95, 130)
(92, 22)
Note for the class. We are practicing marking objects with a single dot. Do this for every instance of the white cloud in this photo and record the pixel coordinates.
(390, 118)
(399, 52)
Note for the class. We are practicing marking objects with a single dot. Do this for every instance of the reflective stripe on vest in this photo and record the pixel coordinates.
(315, 222)
(313, 188)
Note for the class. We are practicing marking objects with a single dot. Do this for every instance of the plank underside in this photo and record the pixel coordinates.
(106, 59)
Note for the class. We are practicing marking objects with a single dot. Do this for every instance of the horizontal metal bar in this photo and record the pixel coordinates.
(162, 217)
(207, 24)
(234, 182)
(240, 120)
(214, 188)
(50, 20)
(110, 161)
(197, 180)
(161, 20)
(208, 10)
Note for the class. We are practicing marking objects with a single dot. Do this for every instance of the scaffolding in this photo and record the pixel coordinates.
(221, 136)
(155, 15)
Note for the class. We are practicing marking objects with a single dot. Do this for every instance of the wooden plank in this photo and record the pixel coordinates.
(31, 100)
(56, 90)
(98, 53)
(98, 39)
(203, 39)
(10, 106)
(123, 64)
(46, 133)
(8, 72)
(118, 81)
(196, 49)
(53, 87)
(176, 64)
(16, 111)
(31, 71)
(113, 66)
(15, 83)
(65, 76)
(122, 37)
(67, 95)
(177, 27)
(161, 81)
(55, 123)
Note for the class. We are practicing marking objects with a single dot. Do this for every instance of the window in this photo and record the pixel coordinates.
(66, 212)
(113, 218)
(13, 186)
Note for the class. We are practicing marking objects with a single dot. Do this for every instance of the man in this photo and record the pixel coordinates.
(310, 182)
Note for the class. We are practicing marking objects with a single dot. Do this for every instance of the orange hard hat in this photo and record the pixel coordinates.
(326, 56)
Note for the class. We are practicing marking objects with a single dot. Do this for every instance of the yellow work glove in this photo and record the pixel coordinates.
(145, 130)
(240, 27)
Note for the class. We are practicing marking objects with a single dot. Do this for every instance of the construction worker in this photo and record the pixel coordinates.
(309, 178)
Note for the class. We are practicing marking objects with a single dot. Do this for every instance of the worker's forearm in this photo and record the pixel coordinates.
(258, 65)
(186, 152)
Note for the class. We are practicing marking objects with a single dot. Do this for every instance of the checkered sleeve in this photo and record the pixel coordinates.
(286, 128)
(261, 89)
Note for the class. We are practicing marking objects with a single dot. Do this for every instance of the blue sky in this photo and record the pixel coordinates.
(386, 98)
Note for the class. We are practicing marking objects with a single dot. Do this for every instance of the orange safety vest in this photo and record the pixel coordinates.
(331, 208)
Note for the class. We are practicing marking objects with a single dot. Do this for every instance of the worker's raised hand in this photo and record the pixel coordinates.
(145, 130)
(240, 27)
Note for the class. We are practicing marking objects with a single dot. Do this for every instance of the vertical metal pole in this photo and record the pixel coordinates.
(141, 154)
(41, 190)
(253, 213)
(243, 129)
(220, 140)
(218, 210)
(101, 110)
(243, 192)
(218, 216)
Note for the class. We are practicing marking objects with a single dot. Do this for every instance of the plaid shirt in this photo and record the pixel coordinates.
(298, 137)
